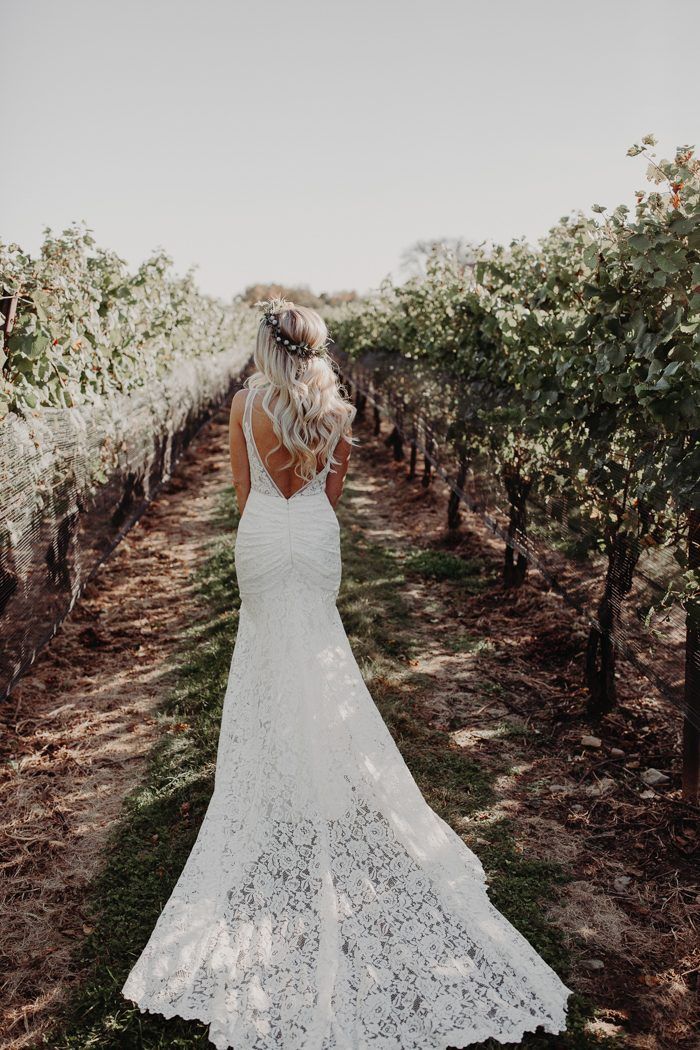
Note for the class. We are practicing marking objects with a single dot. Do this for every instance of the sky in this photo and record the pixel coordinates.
(314, 141)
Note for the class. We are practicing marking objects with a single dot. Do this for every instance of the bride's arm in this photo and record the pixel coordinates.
(338, 471)
(240, 468)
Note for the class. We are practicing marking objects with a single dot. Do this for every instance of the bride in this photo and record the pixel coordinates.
(324, 904)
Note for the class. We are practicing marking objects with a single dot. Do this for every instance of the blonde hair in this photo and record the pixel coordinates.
(311, 411)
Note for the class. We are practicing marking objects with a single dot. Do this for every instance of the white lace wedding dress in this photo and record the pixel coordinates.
(325, 905)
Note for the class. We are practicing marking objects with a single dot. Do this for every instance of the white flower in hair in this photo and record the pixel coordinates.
(270, 318)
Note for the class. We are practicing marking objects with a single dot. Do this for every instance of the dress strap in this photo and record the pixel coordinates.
(247, 408)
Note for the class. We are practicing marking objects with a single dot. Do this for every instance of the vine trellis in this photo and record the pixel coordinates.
(534, 530)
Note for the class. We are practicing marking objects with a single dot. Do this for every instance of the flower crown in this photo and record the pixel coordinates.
(301, 350)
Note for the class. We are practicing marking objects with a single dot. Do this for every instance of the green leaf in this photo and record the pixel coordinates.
(39, 305)
(640, 242)
(689, 408)
(617, 354)
(683, 226)
(669, 262)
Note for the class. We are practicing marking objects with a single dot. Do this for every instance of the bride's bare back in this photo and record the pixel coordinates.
(283, 476)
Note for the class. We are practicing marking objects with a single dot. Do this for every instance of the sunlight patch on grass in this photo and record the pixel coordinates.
(469, 573)
(469, 735)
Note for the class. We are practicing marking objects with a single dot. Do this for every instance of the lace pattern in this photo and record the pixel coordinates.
(325, 905)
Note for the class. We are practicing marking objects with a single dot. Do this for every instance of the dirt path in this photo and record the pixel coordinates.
(77, 730)
(500, 672)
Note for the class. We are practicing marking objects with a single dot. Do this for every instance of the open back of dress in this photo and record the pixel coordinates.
(262, 479)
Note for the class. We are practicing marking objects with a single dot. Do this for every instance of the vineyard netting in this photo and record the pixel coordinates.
(75, 480)
(106, 376)
(555, 536)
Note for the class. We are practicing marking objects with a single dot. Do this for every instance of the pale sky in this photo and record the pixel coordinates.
(312, 141)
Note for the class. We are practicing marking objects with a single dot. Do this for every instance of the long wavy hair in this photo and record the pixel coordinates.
(311, 411)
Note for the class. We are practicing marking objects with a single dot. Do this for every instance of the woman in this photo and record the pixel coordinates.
(324, 904)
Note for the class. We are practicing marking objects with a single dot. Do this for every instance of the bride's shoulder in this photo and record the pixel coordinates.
(238, 404)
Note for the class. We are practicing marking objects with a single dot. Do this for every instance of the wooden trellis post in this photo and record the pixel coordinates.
(691, 732)
(454, 502)
(414, 454)
(395, 439)
(377, 413)
(8, 308)
(427, 464)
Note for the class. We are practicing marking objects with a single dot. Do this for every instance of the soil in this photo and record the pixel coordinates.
(80, 725)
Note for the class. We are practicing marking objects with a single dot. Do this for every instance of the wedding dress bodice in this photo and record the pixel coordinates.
(260, 478)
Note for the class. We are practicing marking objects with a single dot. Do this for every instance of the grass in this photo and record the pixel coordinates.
(442, 565)
(160, 821)
(466, 643)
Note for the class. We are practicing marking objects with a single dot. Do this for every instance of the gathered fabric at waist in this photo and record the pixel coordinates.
(276, 536)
